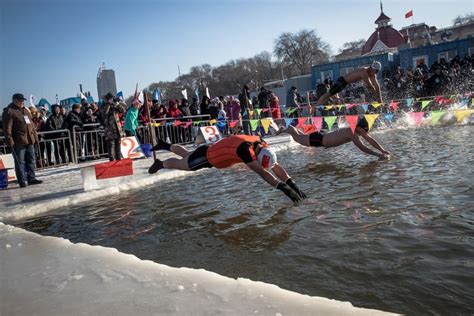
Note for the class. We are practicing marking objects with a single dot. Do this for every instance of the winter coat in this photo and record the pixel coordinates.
(15, 127)
(131, 120)
(113, 128)
(54, 123)
(73, 119)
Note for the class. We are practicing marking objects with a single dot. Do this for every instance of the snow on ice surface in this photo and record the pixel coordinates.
(63, 186)
(52, 276)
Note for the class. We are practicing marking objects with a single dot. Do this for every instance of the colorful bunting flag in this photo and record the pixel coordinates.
(197, 123)
(309, 128)
(424, 104)
(462, 114)
(233, 124)
(266, 124)
(349, 106)
(212, 122)
(186, 125)
(330, 120)
(251, 113)
(410, 102)
(352, 121)
(258, 111)
(291, 110)
(417, 117)
(365, 106)
(177, 123)
(288, 121)
(371, 119)
(253, 124)
(301, 121)
(394, 105)
(376, 105)
(435, 116)
(184, 92)
(317, 122)
(389, 116)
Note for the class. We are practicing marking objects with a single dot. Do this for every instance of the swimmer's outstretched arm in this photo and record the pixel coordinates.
(366, 149)
(273, 181)
(371, 140)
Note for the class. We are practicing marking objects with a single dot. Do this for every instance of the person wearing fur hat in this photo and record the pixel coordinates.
(366, 74)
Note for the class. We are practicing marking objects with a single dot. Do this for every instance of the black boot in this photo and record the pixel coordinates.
(157, 165)
(162, 145)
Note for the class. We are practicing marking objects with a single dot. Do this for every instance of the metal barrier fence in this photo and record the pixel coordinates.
(88, 142)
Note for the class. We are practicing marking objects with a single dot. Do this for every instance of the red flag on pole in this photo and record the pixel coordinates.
(408, 14)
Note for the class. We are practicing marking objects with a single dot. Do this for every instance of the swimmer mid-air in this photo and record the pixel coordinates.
(251, 150)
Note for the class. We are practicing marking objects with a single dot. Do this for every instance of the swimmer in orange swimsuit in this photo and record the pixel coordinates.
(250, 150)
(339, 137)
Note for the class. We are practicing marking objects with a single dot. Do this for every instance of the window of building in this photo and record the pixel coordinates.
(345, 71)
(420, 60)
(326, 74)
(447, 55)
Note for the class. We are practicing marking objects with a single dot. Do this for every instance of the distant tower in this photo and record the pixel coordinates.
(105, 82)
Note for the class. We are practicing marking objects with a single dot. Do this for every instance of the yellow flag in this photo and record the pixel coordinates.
(376, 104)
(327, 107)
(265, 123)
(371, 119)
(212, 122)
(251, 113)
(156, 124)
(462, 114)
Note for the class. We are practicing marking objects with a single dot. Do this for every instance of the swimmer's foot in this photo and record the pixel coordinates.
(157, 165)
(282, 129)
(162, 145)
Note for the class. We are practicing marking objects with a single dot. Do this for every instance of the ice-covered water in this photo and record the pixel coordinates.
(392, 235)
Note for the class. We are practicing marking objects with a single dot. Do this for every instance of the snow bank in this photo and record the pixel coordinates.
(52, 276)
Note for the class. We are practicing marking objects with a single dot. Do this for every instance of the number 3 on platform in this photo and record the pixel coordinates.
(211, 134)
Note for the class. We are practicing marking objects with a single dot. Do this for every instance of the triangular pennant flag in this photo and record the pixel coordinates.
(197, 123)
(301, 121)
(186, 125)
(177, 123)
(462, 114)
(349, 106)
(376, 105)
(221, 124)
(233, 124)
(394, 105)
(424, 104)
(258, 111)
(212, 122)
(265, 110)
(435, 116)
(352, 121)
(317, 122)
(291, 110)
(308, 128)
(365, 107)
(410, 102)
(472, 101)
(288, 121)
(417, 117)
(253, 124)
(250, 112)
(266, 124)
(327, 107)
(184, 93)
(157, 124)
(330, 120)
(371, 119)
(388, 116)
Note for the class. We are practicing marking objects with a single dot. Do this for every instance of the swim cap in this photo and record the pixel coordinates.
(376, 66)
(267, 158)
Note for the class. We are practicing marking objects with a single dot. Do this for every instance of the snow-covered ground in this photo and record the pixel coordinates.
(52, 276)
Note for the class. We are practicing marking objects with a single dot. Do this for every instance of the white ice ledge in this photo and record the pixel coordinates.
(52, 276)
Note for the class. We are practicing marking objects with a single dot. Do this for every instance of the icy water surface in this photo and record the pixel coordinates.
(392, 235)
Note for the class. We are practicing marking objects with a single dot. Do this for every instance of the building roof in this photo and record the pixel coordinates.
(387, 35)
(381, 18)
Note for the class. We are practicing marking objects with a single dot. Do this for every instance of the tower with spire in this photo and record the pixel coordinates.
(385, 38)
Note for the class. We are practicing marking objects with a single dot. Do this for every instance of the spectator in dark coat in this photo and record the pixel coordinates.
(54, 123)
(113, 127)
(20, 134)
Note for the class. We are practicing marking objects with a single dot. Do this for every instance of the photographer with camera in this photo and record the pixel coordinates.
(113, 128)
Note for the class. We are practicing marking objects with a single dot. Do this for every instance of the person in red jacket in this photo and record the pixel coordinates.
(250, 150)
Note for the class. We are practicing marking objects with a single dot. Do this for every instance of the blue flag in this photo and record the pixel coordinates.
(120, 95)
(288, 121)
(410, 102)
(196, 93)
(389, 117)
(365, 107)
(157, 95)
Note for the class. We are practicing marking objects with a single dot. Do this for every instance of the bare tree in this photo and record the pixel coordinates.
(301, 50)
(467, 18)
(353, 46)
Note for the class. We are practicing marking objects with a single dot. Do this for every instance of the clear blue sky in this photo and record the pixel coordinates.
(50, 46)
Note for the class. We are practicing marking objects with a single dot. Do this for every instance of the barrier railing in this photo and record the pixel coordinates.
(53, 149)
(88, 142)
